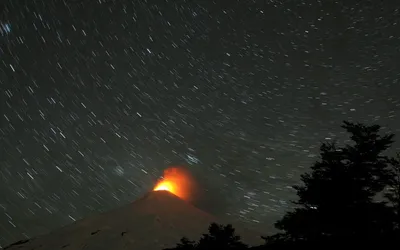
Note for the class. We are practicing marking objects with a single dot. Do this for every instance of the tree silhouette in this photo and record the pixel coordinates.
(185, 244)
(337, 201)
(219, 237)
(393, 193)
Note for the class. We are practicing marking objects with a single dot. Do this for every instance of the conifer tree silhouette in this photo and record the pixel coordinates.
(219, 237)
(393, 193)
(337, 199)
(185, 244)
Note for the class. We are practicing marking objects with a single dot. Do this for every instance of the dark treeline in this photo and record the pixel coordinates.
(351, 197)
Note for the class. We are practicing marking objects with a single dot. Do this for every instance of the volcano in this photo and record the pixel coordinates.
(156, 221)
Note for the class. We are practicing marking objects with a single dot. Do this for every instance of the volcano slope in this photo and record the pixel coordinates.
(158, 220)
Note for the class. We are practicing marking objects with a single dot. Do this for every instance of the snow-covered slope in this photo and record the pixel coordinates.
(157, 220)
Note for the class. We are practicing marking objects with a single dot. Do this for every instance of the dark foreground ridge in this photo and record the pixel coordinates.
(157, 220)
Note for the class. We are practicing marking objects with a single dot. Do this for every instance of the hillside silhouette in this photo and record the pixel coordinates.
(155, 221)
(350, 197)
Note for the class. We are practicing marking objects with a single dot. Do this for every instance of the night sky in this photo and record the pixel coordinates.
(98, 97)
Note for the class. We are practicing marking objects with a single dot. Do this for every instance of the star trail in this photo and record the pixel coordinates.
(98, 97)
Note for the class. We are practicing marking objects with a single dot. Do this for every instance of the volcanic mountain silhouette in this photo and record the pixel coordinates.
(156, 221)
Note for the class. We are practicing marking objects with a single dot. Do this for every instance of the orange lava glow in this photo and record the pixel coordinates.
(177, 181)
